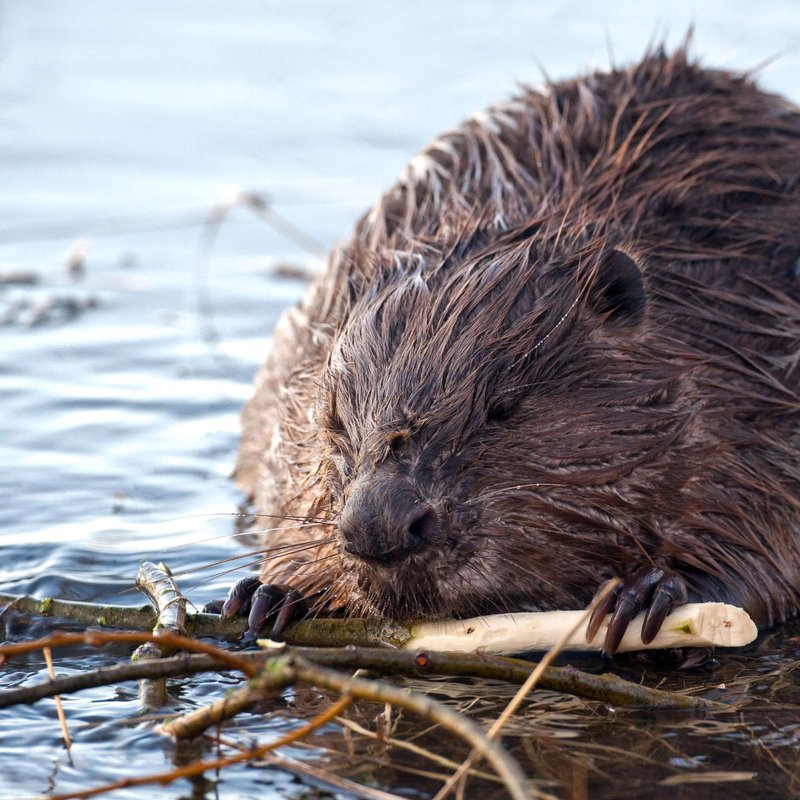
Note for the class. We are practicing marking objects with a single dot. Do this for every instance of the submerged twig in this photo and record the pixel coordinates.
(390, 742)
(344, 784)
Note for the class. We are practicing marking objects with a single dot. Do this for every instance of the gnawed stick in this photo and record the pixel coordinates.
(690, 625)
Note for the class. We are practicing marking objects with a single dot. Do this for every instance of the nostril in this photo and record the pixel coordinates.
(386, 521)
(422, 528)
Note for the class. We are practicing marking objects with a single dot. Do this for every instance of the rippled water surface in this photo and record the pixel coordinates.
(122, 129)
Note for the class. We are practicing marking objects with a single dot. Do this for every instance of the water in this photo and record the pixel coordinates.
(121, 129)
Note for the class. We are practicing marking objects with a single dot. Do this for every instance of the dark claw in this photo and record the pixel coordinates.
(670, 592)
(648, 588)
(266, 599)
(240, 597)
(259, 603)
(292, 607)
(599, 614)
(625, 611)
(635, 596)
(269, 601)
(214, 607)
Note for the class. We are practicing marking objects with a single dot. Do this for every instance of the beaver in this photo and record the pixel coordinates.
(563, 347)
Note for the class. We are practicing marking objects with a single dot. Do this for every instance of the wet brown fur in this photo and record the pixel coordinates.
(455, 341)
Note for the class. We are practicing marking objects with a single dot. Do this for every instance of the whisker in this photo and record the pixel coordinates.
(321, 559)
(251, 565)
(242, 534)
(285, 548)
(256, 531)
(508, 490)
(294, 518)
(247, 515)
(320, 606)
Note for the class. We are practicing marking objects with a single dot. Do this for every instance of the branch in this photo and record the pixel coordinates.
(122, 617)
(157, 583)
(608, 688)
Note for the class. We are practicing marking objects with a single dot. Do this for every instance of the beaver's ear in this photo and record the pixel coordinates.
(618, 291)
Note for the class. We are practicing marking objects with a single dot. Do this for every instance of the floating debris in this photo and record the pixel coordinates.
(30, 309)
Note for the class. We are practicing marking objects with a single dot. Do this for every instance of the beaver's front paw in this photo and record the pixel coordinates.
(650, 589)
(263, 602)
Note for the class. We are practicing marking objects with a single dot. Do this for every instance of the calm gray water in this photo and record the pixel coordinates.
(121, 129)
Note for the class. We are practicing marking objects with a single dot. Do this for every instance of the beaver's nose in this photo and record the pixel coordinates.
(386, 519)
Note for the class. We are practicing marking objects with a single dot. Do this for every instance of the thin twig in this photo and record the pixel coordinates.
(321, 775)
(48, 657)
(98, 638)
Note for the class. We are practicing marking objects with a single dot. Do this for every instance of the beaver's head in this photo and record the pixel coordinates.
(483, 421)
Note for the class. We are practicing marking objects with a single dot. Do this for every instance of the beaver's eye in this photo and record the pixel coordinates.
(331, 421)
(344, 466)
(396, 440)
(334, 435)
(500, 410)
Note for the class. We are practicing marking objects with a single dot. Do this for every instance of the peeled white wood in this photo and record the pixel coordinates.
(690, 625)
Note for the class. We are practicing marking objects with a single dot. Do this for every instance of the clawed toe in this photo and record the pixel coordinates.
(214, 607)
(276, 602)
(649, 589)
(670, 591)
(261, 603)
(240, 597)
